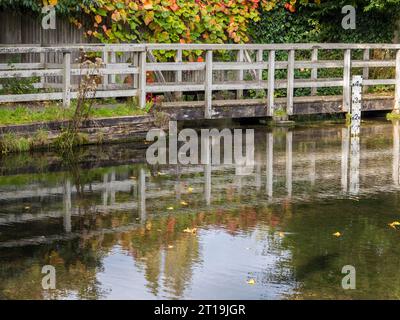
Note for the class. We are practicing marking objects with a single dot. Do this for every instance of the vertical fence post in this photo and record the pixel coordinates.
(240, 58)
(314, 70)
(346, 81)
(178, 75)
(105, 61)
(259, 73)
(271, 82)
(43, 66)
(290, 83)
(396, 108)
(113, 58)
(365, 69)
(142, 79)
(208, 84)
(66, 79)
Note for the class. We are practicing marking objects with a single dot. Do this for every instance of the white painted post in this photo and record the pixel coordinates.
(113, 60)
(142, 79)
(260, 59)
(366, 69)
(346, 81)
(396, 107)
(178, 75)
(290, 83)
(240, 58)
(105, 62)
(43, 63)
(356, 105)
(271, 83)
(314, 71)
(67, 80)
(208, 84)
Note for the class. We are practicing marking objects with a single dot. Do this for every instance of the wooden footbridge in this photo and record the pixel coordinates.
(215, 85)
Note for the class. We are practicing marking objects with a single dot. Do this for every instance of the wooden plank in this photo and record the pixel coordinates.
(271, 82)
(67, 80)
(105, 71)
(30, 73)
(346, 81)
(260, 59)
(174, 87)
(176, 66)
(366, 57)
(142, 79)
(178, 74)
(314, 70)
(396, 107)
(208, 86)
(240, 74)
(14, 98)
(290, 83)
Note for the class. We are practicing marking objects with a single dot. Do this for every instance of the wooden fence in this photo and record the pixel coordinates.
(254, 66)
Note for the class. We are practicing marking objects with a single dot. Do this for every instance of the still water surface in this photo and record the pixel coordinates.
(113, 227)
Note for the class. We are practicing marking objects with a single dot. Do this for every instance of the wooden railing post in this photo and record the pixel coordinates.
(260, 59)
(113, 57)
(105, 61)
(142, 79)
(240, 58)
(290, 83)
(396, 107)
(365, 69)
(208, 84)
(314, 70)
(271, 83)
(66, 79)
(346, 81)
(178, 75)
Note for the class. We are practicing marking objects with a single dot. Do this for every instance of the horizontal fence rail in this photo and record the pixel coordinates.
(133, 70)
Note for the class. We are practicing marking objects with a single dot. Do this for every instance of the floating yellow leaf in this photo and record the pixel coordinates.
(337, 234)
(98, 19)
(170, 247)
(190, 189)
(184, 203)
(394, 224)
(27, 208)
(281, 234)
(161, 174)
(170, 208)
(190, 230)
(251, 282)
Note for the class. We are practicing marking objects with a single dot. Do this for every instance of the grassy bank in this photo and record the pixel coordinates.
(21, 114)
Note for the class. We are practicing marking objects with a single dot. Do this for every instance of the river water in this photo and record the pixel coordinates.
(114, 227)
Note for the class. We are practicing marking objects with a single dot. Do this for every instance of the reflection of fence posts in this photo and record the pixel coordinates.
(289, 161)
(345, 159)
(270, 164)
(142, 195)
(67, 206)
(396, 152)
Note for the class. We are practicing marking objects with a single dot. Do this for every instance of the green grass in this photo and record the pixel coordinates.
(55, 112)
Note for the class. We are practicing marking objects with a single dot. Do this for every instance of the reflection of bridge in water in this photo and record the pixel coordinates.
(289, 165)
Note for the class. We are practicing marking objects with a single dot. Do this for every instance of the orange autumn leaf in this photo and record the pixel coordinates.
(98, 19)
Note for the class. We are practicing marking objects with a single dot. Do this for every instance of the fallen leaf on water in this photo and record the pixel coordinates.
(281, 234)
(170, 208)
(184, 203)
(161, 174)
(132, 178)
(337, 234)
(251, 282)
(27, 208)
(190, 189)
(190, 230)
(148, 226)
(394, 224)
(170, 247)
